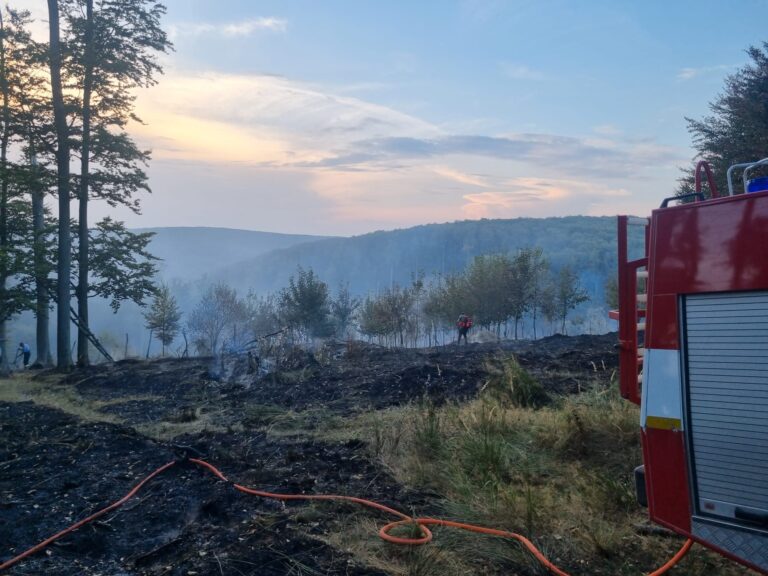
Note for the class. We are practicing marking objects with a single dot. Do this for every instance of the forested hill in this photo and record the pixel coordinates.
(189, 253)
(373, 261)
(196, 257)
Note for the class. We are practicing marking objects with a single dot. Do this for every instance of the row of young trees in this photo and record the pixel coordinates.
(221, 319)
(68, 102)
(499, 291)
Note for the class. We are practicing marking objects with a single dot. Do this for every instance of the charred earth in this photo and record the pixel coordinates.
(70, 445)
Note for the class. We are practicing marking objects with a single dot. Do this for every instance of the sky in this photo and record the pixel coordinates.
(344, 117)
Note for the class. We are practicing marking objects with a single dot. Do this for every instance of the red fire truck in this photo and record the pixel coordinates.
(693, 340)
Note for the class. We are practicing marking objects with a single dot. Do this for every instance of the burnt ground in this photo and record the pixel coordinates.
(56, 468)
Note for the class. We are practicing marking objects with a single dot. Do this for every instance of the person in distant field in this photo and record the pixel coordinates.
(24, 352)
(464, 323)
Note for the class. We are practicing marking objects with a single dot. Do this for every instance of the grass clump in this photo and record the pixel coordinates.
(258, 415)
(510, 383)
(428, 432)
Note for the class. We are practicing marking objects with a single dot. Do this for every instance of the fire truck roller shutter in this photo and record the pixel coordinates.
(726, 393)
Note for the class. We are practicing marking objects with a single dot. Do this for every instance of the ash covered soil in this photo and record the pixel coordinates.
(57, 467)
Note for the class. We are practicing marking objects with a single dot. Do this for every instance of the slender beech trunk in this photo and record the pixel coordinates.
(82, 222)
(63, 359)
(41, 273)
(4, 239)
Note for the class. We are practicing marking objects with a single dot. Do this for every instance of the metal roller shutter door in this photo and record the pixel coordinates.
(727, 383)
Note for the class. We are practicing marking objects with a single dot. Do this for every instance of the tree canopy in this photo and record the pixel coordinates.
(736, 131)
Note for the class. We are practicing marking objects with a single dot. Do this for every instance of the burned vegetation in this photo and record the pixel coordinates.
(527, 436)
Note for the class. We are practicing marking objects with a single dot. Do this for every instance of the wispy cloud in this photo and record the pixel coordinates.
(606, 130)
(229, 29)
(462, 177)
(596, 157)
(520, 195)
(358, 87)
(690, 73)
(369, 166)
(261, 119)
(520, 71)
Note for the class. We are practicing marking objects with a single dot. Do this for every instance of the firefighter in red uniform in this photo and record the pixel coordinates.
(464, 323)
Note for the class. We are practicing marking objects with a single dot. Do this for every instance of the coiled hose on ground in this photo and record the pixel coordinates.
(384, 533)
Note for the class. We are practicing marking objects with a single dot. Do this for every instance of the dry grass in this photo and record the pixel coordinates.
(560, 475)
(357, 538)
(201, 419)
(48, 393)
(51, 394)
(282, 422)
(99, 404)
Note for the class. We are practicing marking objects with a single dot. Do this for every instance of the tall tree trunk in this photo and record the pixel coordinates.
(41, 272)
(63, 359)
(82, 222)
(4, 239)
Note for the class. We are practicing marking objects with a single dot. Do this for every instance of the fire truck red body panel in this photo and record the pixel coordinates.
(699, 344)
(666, 476)
(713, 246)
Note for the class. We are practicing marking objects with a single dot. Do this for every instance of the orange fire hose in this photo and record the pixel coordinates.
(384, 533)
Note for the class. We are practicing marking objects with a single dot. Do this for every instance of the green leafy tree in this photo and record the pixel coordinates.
(344, 308)
(32, 124)
(568, 294)
(16, 294)
(486, 285)
(548, 302)
(43, 249)
(113, 47)
(14, 214)
(62, 151)
(446, 299)
(218, 309)
(373, 322)
(305, 304)
(396, 310)
(736, 131)
(539, 271)
(520, 284)
(392, 317)
(263, 315)
(122, 265)
(164, 317)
